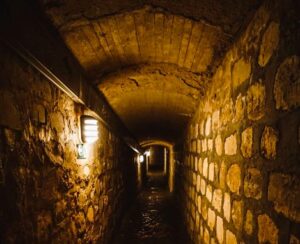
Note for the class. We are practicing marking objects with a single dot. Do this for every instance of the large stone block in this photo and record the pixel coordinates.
(287, 85)
(199, 199)
(269, 142)
(220, 229)
(227, 206)
(205, 168)
(209, 193)
(206, 237)
(252, 35)
(267, 230)
(256, 97)
(208, 126)
(233, 178)
(237, 214)
(90, 214)
(200, 166)
(241, 72)
(248, 225)
(230, 237)
(269, 43)
(211, 172)
(230, 147)
(247, 142)
(222, 175)
(202, 128)
(211, 219)
(219, 145)
(217, 199)
(284, 192)
(253, 183)
(239, 108)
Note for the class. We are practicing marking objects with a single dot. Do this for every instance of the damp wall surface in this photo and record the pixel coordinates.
(239, 176)
(47, 194)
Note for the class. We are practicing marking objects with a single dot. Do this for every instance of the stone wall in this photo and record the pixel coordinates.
(239, 179)
(47, 194)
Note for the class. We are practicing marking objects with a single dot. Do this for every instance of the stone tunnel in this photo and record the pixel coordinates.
(182, 113)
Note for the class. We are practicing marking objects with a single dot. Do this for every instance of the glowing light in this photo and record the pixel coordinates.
(90, 122)
(141, 158)
(89, 129)
(91, 133)
(91, 139)
(147, 153)
(86, 170)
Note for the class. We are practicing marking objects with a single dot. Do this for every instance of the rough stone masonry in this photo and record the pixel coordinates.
(240, 175)
(46, 196)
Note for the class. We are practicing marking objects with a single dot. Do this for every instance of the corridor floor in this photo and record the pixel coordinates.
(154, 217)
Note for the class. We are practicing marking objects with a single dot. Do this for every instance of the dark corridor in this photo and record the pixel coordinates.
(154, 218)
(97, 97)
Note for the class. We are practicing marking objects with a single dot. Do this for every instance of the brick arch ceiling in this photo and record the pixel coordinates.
(151, 63)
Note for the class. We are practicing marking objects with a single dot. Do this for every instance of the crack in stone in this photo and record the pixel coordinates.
(134, 81)
(189, 85)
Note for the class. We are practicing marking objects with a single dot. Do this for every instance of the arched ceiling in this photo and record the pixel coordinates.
(159, 98)
(151, 59)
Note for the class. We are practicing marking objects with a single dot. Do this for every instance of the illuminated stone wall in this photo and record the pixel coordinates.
(46, 196)
(240, 175)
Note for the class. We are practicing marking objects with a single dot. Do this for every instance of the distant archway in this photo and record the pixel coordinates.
(170, 167)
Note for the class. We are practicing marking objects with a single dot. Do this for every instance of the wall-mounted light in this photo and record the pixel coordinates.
(147, 153)
(89, 129)
(141, 158)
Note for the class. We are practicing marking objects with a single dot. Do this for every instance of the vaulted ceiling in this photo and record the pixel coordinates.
(151, 59)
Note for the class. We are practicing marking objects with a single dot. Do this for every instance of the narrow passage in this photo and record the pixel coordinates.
(154, 218)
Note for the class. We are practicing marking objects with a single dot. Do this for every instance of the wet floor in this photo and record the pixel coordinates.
(154, 217)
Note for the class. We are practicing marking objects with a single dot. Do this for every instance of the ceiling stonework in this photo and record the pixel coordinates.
(147, 35)
(152, 60)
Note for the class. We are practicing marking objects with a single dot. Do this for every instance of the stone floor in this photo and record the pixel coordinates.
(154, 217)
